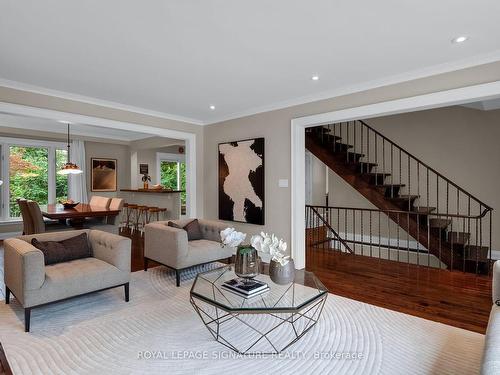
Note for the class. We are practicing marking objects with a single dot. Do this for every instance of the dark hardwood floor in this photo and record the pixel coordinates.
(450, 297)
(455, 298)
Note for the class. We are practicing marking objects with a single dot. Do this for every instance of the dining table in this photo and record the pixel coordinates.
(77, 215)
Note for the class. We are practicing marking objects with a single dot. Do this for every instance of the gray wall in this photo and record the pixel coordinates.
(275, 127)
(109, 151)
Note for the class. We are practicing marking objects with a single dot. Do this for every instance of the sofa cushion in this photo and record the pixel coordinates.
(63, 280)
(64, 251)
(204, 251)
(192, 228)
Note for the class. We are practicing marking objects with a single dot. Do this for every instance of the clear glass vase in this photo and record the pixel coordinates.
(246, 265)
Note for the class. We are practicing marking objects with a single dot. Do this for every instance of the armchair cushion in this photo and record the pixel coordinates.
(63, 251)
(192, 228)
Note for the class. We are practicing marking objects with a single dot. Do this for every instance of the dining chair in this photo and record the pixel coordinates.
(25, 214)
(100, 201)
(115, 204)
(39, 224)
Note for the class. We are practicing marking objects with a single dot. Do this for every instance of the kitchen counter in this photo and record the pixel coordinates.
(169, 199)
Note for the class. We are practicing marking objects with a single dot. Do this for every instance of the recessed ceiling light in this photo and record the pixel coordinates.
(460, 39)
(315, 77)
(212, 107)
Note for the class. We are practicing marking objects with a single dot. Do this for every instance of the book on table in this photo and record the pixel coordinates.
(246, 288)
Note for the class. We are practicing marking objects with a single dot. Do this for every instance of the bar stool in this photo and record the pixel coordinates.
(141, 218)
(162, 213)
(152, 212)
(129, 218)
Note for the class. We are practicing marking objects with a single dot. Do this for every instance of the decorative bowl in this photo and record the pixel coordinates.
(70, 205)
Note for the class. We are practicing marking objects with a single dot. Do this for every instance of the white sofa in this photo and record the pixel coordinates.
(491, 355)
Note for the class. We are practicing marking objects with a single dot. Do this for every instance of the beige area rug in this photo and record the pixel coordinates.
(101, 334)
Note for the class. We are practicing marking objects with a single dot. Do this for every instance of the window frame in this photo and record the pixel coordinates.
(5, 144)
(177, 158)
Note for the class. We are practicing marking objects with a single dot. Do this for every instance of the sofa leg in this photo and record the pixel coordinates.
(177, 278)
(27, 318)
(126, 286)
(7, 295)
(146, 264)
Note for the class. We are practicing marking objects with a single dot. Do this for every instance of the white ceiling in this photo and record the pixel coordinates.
(82, 130)
(180, 57)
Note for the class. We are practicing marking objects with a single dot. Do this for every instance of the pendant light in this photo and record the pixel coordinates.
(69, 167)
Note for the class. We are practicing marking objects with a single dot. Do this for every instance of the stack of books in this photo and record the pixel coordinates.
(246, 288)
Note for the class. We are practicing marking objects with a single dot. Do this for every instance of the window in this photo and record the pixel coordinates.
(61, 180)
(172, 173)
(29, 171)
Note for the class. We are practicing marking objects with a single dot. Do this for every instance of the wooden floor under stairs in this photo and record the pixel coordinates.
(451, 297)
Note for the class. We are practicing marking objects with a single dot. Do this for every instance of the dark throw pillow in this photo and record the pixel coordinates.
(63, 251)
(192, 228)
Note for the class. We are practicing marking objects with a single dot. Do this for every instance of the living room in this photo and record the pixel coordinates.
(216, 106)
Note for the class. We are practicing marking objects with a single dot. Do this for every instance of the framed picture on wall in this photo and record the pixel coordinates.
(103, 174)
(241, 181)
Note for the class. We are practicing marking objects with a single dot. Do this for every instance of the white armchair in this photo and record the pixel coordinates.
(170, 246)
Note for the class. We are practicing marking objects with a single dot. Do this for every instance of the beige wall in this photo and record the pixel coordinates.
(275, 127)
(71, 106)
(109, 151)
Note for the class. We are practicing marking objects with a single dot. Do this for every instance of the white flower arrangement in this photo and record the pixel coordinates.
(230, 237)
(263, 243)
(270, 244)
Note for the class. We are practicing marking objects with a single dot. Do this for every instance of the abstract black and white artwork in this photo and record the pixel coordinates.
(241, 181)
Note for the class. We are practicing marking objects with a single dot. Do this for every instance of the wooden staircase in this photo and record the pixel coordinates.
(355, 152)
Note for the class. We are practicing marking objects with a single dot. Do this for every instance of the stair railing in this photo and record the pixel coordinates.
(385, 234)
(319, 230)
(391, 164)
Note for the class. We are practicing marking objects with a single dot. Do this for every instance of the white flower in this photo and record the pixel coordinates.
(230, 237)
(270, 244)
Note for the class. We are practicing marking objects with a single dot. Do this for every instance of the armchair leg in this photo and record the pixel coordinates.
(7, 295)
(27, 318)
(177, 278)
(126, 286)
(145, 263)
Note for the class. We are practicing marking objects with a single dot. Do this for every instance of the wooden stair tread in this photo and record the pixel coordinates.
(404, 198)
(424, 210)
(391, 185)
(458, 237)
(439, 223)
(376, 174)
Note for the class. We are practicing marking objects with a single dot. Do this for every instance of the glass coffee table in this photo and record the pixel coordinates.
(265, 324)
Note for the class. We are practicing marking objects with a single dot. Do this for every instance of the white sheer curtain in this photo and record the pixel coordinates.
(77, 184)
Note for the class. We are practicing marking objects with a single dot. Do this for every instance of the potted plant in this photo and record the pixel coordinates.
(145, 180)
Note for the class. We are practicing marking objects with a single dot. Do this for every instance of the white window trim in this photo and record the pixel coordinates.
(163, 156)
(5, 144)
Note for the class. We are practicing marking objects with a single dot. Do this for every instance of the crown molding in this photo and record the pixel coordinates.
(94, 101)
(328, 94)
(365, 86)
